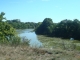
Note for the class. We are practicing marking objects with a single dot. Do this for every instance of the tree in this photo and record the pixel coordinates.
(46, 27)
(76, 29)
(17, 24)
(2, 16)
(6, 30)
(67, 29)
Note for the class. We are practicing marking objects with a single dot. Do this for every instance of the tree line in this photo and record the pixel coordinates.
(64, 29)
(17, 24)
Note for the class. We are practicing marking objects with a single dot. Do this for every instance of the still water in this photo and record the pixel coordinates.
(28, 34)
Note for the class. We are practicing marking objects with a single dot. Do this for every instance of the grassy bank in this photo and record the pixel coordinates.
(64, 48)
(53, 50)
(50, 42)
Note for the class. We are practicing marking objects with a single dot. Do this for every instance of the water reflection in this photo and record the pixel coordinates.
(34, 42)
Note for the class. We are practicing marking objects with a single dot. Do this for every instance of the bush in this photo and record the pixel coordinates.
(25, 41)
(15, 41)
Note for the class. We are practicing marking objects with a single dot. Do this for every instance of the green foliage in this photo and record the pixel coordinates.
(64, 29)
(15, 40)
(67, 29)
(8, 34)
(2, 16)
(45, 28)
(6, 30)
(17, 24)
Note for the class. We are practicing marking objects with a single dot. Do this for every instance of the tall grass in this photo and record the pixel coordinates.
(15, 41)
(64, 44)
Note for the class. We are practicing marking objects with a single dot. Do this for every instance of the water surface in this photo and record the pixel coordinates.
(28, 34)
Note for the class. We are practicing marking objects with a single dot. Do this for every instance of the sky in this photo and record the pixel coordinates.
(38, 10)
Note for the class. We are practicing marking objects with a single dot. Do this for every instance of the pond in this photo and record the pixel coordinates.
(28, 34)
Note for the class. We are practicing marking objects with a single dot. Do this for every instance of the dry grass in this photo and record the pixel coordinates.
(23, 52)
(28, 53)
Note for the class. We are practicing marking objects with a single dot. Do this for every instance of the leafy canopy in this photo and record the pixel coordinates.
(6, 30)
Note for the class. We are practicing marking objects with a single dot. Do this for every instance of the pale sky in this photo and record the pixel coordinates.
(37, 10)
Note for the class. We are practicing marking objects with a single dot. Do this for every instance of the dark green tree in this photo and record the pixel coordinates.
(67, 29)
(46, 27)
(2, 16)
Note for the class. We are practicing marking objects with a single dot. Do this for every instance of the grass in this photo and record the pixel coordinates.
(78, 47)
(52, 50)
(76, 41)
(58, 42)
(29, 53)
(67, 47)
